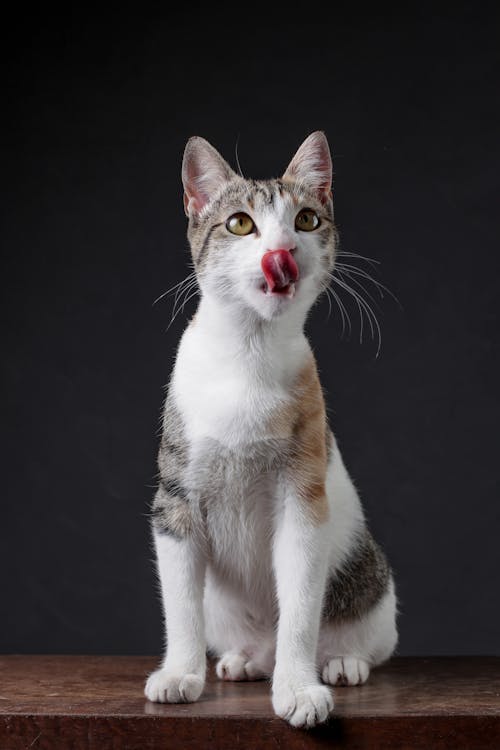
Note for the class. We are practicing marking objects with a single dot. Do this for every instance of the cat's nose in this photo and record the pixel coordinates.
(279, 268)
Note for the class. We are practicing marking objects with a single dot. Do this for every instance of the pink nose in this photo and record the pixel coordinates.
(279, 268)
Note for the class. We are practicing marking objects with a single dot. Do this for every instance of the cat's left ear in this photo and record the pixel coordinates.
(312, 166)
(204, 172)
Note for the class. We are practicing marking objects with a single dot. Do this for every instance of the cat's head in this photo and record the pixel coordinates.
(261, 246)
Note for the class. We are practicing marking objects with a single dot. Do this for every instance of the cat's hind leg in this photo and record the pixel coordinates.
(348, 650)
(244, 646)
(249, 664)
(345, 670)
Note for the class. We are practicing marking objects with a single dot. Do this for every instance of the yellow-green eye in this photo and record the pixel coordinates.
(240, 224)
(307, 220)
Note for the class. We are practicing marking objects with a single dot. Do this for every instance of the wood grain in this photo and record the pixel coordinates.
(96, 703)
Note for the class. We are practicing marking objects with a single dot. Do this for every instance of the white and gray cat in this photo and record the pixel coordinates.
(263, 553)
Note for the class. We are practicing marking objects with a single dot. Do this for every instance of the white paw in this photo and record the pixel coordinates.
(345, 670)
(302, 707)
(237, 666)
(163, 686)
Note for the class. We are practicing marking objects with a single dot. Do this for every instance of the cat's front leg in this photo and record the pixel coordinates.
(300, 563)
(181, 570)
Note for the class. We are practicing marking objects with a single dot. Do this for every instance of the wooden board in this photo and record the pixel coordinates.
(96, 703)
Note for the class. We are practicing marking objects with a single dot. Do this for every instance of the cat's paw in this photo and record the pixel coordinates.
(345, 670)
(163, 686)
(237, 666)
(302, 707)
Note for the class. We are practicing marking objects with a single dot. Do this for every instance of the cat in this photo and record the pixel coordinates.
(263, 554)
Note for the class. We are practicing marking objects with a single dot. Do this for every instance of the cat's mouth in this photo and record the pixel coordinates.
(281, 273)
(285, 291)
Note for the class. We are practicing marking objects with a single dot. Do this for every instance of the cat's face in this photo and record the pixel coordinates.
(261, 246)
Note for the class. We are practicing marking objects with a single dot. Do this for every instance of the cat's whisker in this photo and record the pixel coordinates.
(342, 308)
(179, 283)
(327, 290)
(189, 290)
(187, 298)
(357, 282)
(351, 271)
(381, 288)
(346, 254)
(237, 156)
(354, 281)
(363, 306)
(343, 285)
(343, 311)
(188, 281)
(177, 302)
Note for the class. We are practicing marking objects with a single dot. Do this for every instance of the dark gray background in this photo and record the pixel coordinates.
(96, 115)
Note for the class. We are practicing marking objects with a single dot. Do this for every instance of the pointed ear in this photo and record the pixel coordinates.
(312, 166)
(204, 171)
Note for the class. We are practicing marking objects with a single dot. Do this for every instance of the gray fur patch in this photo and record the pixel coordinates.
(329, 442)
(171, 513)
(172, 455)
(219, 472)
(171, 510)
(359, 583)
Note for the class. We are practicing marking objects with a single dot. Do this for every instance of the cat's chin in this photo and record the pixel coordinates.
(269, 304)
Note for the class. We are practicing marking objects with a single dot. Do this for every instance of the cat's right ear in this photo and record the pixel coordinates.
(312, 166)
(204, 171)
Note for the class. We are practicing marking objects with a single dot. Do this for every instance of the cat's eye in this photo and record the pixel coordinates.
(307, 220)
(240, 224)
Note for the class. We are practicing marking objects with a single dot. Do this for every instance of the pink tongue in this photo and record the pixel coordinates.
(279, 268)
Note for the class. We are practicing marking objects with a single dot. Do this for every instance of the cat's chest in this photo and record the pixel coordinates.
(228, 477)
(227, 411)
(237, 491)
(231, 408)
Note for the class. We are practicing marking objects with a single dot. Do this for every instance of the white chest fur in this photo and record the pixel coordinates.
(227, 391)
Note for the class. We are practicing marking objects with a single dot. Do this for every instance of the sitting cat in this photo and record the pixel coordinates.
(263, 552)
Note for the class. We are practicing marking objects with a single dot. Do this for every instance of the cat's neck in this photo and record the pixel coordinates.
(235, 336)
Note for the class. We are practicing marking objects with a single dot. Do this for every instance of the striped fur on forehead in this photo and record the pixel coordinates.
(254, 197)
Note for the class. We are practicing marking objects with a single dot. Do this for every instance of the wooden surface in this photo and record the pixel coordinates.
(96, 703)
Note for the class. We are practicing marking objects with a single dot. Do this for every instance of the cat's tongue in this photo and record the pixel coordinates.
(280, 270)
